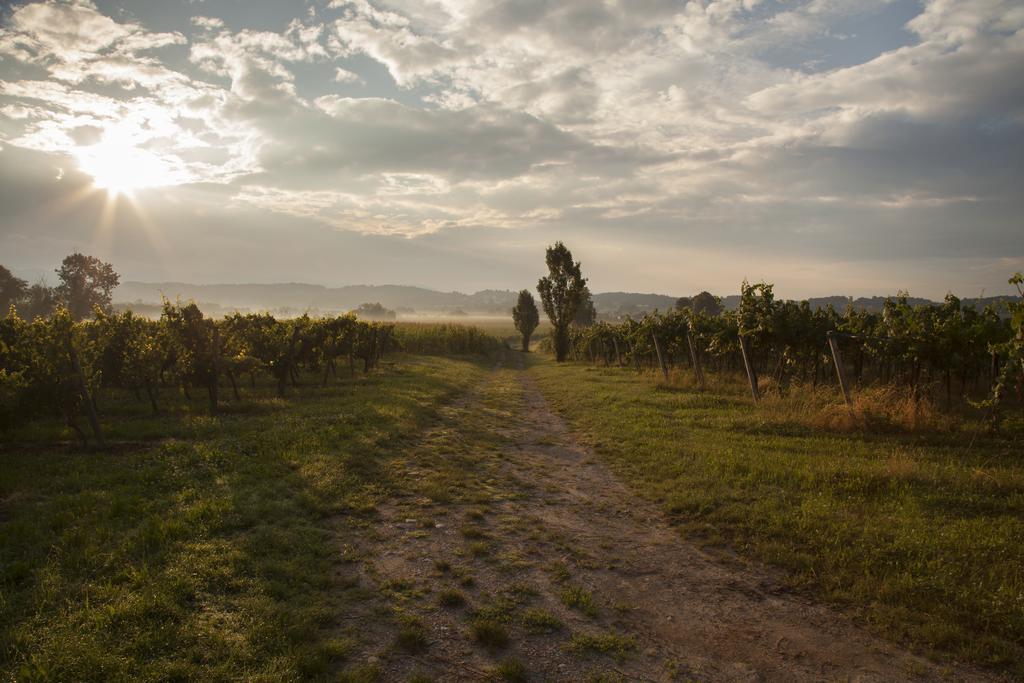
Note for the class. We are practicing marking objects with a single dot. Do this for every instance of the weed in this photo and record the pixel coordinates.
(479, 549)
(538, 620)
(511, 670)
(473, 532)
(363, 673)
(580, 599)
(613, 644)
(451, 599)
(489, 633)
(559, 571)
(412, 635)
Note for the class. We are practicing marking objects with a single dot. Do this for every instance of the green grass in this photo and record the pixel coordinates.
(511, 670)
(412, 635)
(489, 633)
(579, 599)
(916, 531)
(613, 644)
(205, 548)
(538, 620)
(451, 599)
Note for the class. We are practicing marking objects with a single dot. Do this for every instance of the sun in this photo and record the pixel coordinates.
(121, 167)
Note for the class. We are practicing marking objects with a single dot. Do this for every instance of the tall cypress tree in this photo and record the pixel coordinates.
(561, 293)
(526, 317)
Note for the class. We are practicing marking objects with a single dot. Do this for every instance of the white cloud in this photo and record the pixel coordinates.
(652, 116)
(345, 76)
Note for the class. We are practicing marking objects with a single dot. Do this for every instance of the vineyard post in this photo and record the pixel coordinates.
(751, 372)
(83, 387)
(661, 358)
(618, 356)
(837, 359)
(696, 360)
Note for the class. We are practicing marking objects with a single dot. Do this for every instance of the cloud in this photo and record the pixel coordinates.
(661, 121)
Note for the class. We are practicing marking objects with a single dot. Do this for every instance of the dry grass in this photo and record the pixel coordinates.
(884, 408)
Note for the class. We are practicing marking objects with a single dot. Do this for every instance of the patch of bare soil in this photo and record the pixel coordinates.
(566, 575)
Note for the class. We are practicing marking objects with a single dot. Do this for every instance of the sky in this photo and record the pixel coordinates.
(830, 147)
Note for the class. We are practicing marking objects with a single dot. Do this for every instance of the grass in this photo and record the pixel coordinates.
(489, 633)
(579, 599)
(412, 635)
(907, 525)
(204, 548)
(610, 643)
(511, 670)
(451, 599)
(537, 620)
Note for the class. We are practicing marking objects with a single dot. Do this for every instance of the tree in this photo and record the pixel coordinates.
(374, 311)
(683, 303)
(40, 301)
(706, 303)
(526, 317)
(586, 314)
(85, 282)
(12, 290)
(560, 294)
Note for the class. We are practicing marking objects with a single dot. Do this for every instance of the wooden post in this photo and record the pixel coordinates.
(661, 358)
(618, 356)
(697, 370)
(751, 372)
(837, 359)
(83, 387)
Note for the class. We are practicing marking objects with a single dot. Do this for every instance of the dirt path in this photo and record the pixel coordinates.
(507, 512)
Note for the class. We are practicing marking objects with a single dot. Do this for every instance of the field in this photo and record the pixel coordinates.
(918, 531)
(506, 517)
(199, 547)
(496, 326)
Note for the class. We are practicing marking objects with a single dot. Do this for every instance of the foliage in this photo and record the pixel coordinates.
(182, 349)
(586, 314)
(944, 351)
(705, 302)
(444, 339)
(12, 289)
(40, 301)
(86, 283)
(1011, 353)
(560, 293)
(526, 317)
(375, 311)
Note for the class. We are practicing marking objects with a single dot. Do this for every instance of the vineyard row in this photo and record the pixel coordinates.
(58, 367)
(949, 348)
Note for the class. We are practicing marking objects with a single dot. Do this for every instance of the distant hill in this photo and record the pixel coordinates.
(295, 298)
(620, 304)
